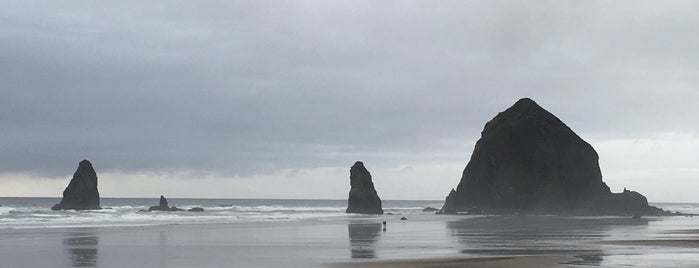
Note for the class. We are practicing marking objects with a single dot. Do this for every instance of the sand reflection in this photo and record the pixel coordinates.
(362, 236)
(81, 248)
(540, 235)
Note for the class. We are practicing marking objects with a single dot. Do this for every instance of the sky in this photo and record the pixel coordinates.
(277, 99)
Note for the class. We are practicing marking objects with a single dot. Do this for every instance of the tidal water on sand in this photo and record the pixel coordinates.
(317, 233)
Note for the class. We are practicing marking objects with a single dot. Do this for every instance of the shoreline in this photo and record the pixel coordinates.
(520, 261)
(353, 240)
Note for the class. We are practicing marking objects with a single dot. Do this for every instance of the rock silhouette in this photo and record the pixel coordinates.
(163, 206)
(527, 160)
(362, 196)
(81, 193)
(196, 209)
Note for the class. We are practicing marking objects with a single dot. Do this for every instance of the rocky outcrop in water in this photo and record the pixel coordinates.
(81, 193)
(196, 209)
(163, 206)
(429, 209)
(527, 160)
(362, 196)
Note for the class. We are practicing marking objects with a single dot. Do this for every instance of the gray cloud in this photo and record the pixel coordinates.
(249, 87)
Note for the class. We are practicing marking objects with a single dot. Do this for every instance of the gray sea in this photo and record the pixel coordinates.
(317, 233)
(19, 213)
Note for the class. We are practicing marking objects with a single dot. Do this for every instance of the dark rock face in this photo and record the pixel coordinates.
(163, 202)
(528, 160)
(81, 193)
(362, 196)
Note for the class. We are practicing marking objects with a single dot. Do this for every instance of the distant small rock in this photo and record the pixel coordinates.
(403, 218)
(196, 209)
(430, 209)
(163, 206)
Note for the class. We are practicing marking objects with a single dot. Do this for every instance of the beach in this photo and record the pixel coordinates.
(423, 240)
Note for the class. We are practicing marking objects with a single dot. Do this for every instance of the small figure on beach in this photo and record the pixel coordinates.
(384, 226)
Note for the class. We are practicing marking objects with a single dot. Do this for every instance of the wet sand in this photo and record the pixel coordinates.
(360, 241)
(686, 243)
(483, 262)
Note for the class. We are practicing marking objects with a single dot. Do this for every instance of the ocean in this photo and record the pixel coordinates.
(20, 212)
(318, 233)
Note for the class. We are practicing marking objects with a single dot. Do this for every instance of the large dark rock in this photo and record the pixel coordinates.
(362, 196)
(527, 160)
(81, 193)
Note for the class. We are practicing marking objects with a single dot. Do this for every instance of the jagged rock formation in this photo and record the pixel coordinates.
(527, 160)
(163, 206)
(362, 196)
(81, 193)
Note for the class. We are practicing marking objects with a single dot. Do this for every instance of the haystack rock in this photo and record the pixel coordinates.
(362, 196)
(527, 160)
(81, 193)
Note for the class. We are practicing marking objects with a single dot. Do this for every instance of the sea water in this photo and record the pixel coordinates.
(18, 212)
(313, 233)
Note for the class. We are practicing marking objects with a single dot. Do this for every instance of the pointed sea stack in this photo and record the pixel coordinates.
(362, 196)
(527, 160)
(81, 193)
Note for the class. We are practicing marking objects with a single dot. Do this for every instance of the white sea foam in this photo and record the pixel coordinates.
(6, 210)
(41, 216)
(679, 207)
(36, 213)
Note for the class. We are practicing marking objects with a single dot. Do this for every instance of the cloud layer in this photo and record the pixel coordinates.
(247, 88)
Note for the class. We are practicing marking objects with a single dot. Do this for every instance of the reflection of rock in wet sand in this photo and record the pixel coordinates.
(362, 237)
(81, 248)
(540, 235)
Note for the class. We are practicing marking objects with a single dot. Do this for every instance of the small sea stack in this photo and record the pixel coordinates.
(81, 193)
(363, 198)
(163, 206)
(529, 161)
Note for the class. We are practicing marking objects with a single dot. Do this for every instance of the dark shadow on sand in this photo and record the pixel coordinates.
(539, 235)
(80, 247)
(362, 236)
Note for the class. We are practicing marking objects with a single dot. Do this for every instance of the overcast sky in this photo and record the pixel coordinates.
(277, 99)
